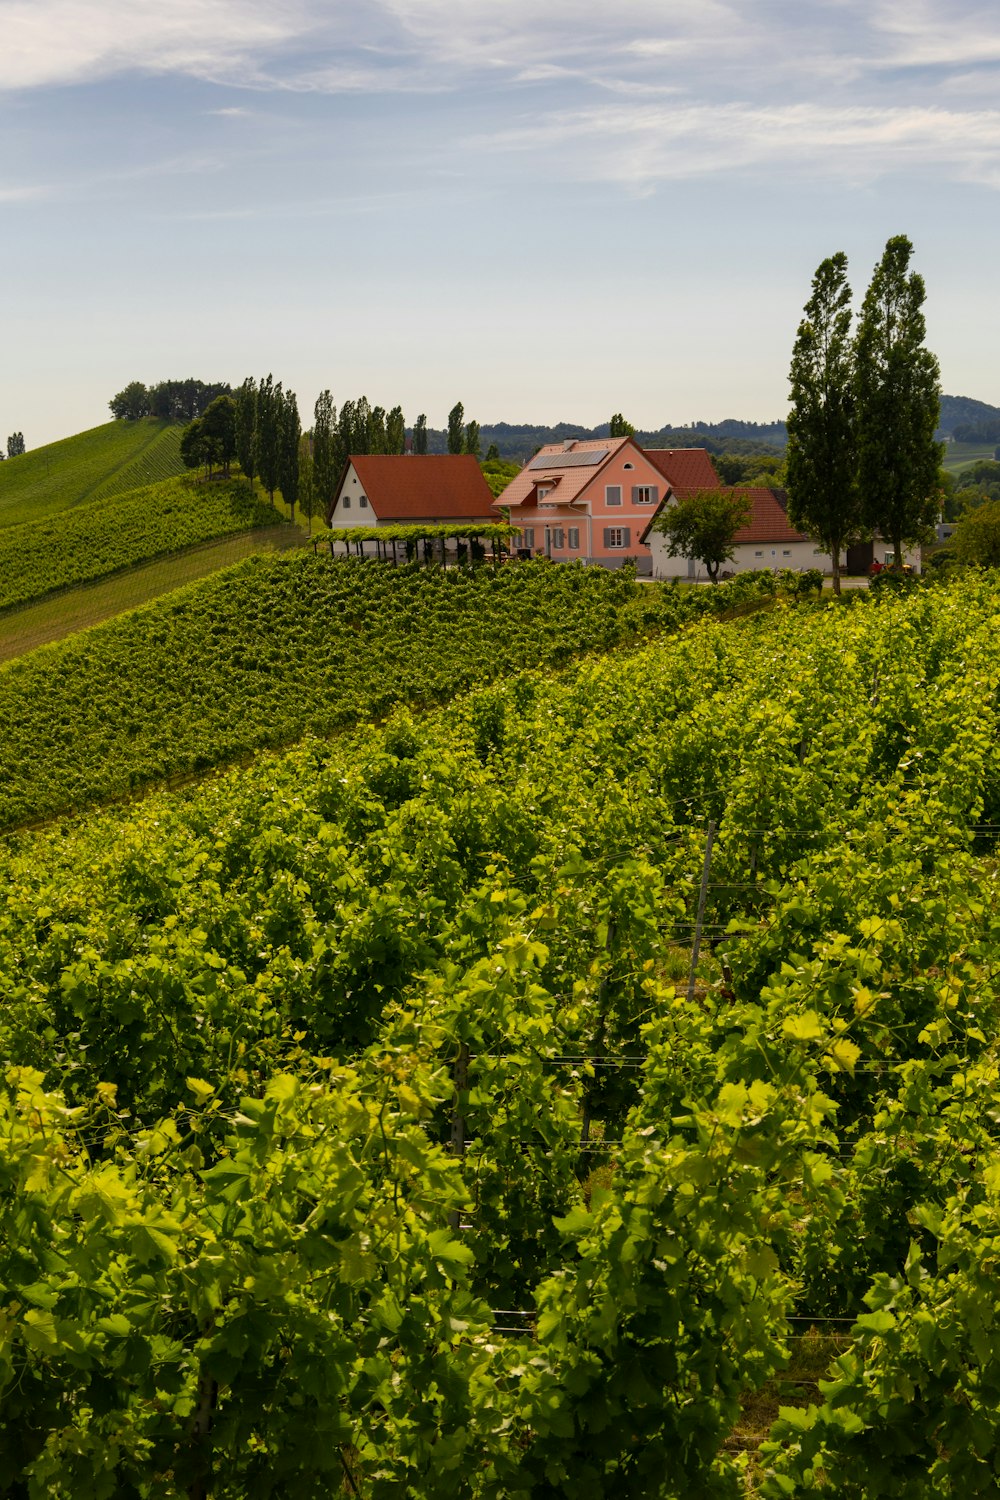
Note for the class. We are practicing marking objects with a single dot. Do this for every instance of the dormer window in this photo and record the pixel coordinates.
(543, 490)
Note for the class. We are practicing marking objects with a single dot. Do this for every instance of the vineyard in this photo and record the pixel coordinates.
(46, 481)
(279, 646)
(102, 537)
(366, 1134)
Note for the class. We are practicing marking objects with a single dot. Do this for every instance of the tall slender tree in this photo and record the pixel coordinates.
(361, 433)
(420, 434)
(395, 431)
(898, 394)
(345, 432)
(376, 430)
(289, 433)
(324, 450)
(308, 503)
(246, 428)
(456, 428)
(473, 440)
(822, 442)
(269, 401)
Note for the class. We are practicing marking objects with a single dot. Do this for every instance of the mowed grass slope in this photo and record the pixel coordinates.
(60, 475)
(53, 619)
(105, 536)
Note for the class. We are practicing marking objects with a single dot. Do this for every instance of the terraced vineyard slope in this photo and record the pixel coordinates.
(349, 1100)
(47, 480)
(102, 537)
(280, 646)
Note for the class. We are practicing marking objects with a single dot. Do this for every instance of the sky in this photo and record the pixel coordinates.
(547, 210)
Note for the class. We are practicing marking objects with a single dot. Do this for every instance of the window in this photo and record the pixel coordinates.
(617, 536)
(543, 490)
(550, 506)
(574, 538)
(645, 494)
(346, 502)
(786, 552)
(628, 466)
(890, 559)
(528, 536)
(363, 502)
(558, 538)
(612, 494)
(758, 554)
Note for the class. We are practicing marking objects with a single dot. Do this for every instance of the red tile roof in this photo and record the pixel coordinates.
(768, 521)
(686, 469)
(423, 487)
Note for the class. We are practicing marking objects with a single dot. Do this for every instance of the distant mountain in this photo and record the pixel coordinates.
(969, 421)
(517, 441)
(961, 417)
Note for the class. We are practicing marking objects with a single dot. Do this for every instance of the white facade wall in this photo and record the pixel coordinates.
(750, 555)
(756, 555)
(357, 512)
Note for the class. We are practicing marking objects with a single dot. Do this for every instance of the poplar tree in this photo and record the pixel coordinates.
(473, 441)
(898, 395)
(269, 400)
(324, 451)
(395, 431)
(456, 429)
(361, 432)
(289, 433)
(307, 479)
(822, 443)
(376, 431)
(345, 432)
(420, 434)
(246, 428)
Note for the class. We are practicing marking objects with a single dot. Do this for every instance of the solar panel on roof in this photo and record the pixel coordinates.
(569, 460)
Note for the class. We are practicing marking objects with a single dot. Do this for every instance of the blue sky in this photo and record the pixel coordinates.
(548, 210)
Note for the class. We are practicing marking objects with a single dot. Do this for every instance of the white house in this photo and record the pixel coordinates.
(768, 540)
(427, 489)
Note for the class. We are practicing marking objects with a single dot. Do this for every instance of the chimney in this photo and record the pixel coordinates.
(568, 445)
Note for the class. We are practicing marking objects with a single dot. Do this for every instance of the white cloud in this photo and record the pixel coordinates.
(639, 145)
(339, 46)
(698, 85)
(71, 41)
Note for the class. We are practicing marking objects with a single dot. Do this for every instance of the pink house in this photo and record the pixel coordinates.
(588, 500)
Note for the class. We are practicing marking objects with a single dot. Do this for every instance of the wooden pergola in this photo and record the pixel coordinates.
(476, 535)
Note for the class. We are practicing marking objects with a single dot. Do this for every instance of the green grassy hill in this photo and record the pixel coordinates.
(104, 461)
(960, 456)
